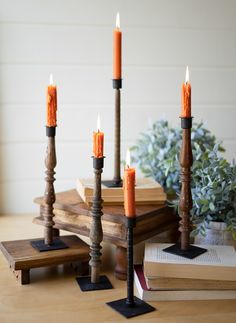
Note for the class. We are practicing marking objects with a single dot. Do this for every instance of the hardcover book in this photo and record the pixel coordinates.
(147, 191)
(218, 263)
(142, 291)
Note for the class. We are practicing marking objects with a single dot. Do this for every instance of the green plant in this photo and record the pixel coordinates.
(213, 190)
(213, 177)
(156, 152)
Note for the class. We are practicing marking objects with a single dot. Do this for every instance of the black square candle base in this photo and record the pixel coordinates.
(139, 307)
(86, 285)
(191, 253)
(56, 245)
(112, 183)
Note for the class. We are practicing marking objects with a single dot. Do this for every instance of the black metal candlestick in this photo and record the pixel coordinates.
(95, 281)
(184, 248)
(116, 181)
(49, 242)
(130, 306)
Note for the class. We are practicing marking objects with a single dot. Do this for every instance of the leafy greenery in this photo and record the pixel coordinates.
(213, 190)
(156, 152)
(213, 178)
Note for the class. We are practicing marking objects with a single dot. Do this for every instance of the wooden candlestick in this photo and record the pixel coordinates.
(185, 249)
(50, 242)
(96, 282)
(185, 201)
(116, 181)
(49, 195)
(117, 177)
(96, 233)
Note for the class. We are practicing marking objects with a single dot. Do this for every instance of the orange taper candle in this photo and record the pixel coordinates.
(129, 188)
(98, 140)
(117, 43)
(186, 97)
(51, 104)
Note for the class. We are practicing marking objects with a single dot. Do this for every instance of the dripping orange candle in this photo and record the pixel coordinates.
(51, 104)
(117, 43)
(129, 188)
(98, 140)
(186, 97)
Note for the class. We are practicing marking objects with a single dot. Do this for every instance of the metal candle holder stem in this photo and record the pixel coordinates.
(116, 181)
(185, 249)
(49, 242)
(130, 306)
(130, 264)
(96, 282)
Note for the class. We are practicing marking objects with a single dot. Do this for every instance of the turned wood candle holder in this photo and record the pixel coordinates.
(116, 181)
(50, 242)
(130, 306)
(96, 282)
(184, 248)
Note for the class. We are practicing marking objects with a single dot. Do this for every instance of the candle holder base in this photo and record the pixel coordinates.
(191, 253)
(86, 285)
(138, 308)
(40, 245)
(112, 183)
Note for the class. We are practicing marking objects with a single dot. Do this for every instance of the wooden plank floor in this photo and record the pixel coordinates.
(53, 295)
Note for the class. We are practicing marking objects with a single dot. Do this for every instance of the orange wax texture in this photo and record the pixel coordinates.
(117, 37)
(51, 106)
(98, 139)
(186, 100)
(129, 192)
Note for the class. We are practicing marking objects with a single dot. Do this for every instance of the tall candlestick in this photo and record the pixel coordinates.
(186, 96)
(98, 140)
(184, 248)
(117, 39)
(51, 104)
(129, 188)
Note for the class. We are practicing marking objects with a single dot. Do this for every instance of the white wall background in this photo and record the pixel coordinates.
(73, 40)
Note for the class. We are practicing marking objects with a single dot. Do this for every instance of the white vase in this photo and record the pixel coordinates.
(216, 234)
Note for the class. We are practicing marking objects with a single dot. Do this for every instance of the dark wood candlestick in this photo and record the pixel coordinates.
(185, 200)
(96, 233)
(50, 242)
(130, 306)
(116, 181)
(185, 249)
(96, 282)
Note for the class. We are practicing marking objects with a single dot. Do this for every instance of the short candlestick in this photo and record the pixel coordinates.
(95, 282)
(130, 306)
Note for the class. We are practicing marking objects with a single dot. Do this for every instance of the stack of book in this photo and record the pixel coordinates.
(147, 191)
(164, 276)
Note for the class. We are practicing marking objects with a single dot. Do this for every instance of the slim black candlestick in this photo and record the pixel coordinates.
(95, 281)
(184, 248)
(116, 181)
(49, 242)
(130, 306)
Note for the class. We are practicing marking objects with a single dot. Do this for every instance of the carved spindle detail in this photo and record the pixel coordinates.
(96, 233)
(49, 195)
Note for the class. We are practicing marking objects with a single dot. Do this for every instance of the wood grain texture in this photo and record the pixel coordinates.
(21, 255)
(54, 296)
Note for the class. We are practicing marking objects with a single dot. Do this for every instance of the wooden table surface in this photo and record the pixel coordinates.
(53, 295)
